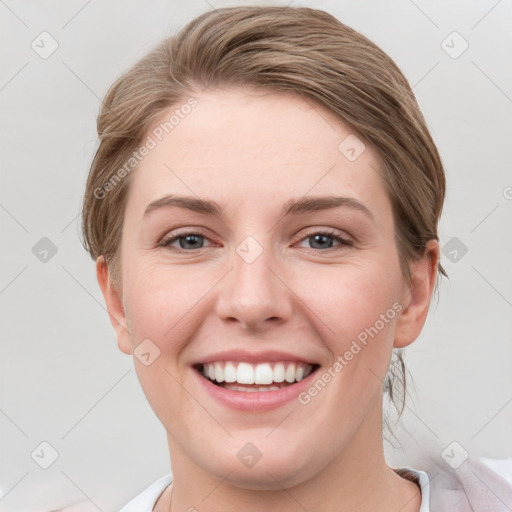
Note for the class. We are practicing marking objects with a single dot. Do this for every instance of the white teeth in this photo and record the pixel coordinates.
(278, 374)
(234, 387)
(262, 374)
(290, 373)
(230, 372)
(219, 373)
(245, 373)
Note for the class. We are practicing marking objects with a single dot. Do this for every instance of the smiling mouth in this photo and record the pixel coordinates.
(247, 377)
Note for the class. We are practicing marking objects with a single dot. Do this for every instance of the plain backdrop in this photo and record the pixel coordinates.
(63, 380)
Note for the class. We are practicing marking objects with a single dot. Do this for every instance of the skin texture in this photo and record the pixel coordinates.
(252, 151)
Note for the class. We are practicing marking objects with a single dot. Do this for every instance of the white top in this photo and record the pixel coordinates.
(147, 499)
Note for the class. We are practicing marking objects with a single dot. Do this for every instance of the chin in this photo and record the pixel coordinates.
(268, 477)
(271, 469)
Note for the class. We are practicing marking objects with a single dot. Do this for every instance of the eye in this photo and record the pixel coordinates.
(325, 239)
(186, 241)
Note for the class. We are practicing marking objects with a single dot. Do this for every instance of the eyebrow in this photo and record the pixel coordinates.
(292, 207)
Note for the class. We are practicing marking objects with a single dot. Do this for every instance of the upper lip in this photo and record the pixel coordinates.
(266, 356)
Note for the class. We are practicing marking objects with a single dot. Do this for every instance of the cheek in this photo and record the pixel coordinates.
(160, 301)
(161, 304)
(356, 310)
(350, 300)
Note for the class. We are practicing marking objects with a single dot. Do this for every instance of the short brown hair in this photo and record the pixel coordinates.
(296, 49)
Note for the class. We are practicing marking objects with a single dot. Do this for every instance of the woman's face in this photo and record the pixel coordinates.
(259, 243)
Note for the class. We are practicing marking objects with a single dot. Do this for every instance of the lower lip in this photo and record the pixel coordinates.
(256, 400)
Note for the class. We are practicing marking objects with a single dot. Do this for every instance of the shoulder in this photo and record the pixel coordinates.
(470, 486)
(145, 501)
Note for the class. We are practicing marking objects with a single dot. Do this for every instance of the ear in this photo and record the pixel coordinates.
(416, 296)
(114, 302)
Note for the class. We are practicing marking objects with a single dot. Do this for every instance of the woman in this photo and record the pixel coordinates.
(263, 211)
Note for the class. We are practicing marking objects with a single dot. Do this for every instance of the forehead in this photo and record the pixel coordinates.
(249, 146)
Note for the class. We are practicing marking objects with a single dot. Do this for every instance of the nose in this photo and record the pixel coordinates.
(254, 294)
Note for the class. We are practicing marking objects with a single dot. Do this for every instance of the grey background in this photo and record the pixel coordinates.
(63, 380)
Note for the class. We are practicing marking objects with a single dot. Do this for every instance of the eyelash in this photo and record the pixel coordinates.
(166, 242)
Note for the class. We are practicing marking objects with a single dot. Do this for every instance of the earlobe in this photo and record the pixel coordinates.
(114, 303)
(416, 296)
